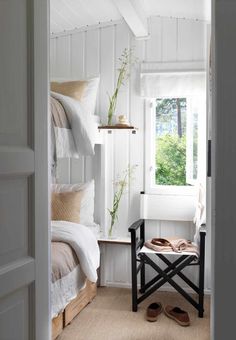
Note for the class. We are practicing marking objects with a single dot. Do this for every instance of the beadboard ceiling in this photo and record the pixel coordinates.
(67, 15)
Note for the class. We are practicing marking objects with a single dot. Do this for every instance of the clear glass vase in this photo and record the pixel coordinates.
(112, 232)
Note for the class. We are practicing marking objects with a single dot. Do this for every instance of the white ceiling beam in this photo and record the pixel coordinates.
(134, 17)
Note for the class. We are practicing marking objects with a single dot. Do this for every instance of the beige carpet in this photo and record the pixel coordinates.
(109, 317)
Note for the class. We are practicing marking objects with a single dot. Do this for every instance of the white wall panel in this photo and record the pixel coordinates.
(122, 41)
(77, 55)
(154, 44)
(199, 35)
(107, 53)
(63, 60)
(53, 54)
(96, 52)
(169, 39)
(121, 161)
(63, 170)
(110, 171)
(92, 53)
(185, 40)
(136, 156)
(77, 170)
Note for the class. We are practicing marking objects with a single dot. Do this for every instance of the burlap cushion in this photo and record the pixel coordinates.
(74, 89)
(65, 206)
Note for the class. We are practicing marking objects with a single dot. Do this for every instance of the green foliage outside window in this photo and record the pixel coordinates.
(171, 141)
(171, 160)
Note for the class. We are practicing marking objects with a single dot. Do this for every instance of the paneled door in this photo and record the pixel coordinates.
(24, 233)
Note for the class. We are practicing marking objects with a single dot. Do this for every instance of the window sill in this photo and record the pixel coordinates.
(172, 190)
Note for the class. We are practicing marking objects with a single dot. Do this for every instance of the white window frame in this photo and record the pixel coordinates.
(201, 143)
(150, 186)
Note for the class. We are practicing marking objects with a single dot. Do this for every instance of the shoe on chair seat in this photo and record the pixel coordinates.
(177, 314)
(153, 310)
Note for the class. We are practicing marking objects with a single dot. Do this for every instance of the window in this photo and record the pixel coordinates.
(176, 146)
(170, 141)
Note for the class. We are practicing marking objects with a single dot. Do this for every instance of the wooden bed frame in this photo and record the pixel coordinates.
(84, 297)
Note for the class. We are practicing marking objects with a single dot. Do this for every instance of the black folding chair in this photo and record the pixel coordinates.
(140, 257)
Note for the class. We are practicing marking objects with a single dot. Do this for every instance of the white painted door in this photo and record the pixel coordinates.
(24, 269)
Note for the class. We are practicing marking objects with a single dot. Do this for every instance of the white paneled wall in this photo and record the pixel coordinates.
(95, 52)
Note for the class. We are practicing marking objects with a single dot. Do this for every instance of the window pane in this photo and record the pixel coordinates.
(192, 153)
(195, 144)
(171, 141)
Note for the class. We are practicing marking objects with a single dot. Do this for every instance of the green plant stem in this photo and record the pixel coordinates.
(120, 81)
(116, 201)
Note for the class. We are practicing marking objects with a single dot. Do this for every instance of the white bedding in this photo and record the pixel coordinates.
(66, 289)
(84, 243)
(83, 125)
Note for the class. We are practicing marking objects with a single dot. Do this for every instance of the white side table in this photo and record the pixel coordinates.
(103, 241)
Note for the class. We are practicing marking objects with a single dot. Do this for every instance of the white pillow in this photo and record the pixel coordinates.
(83, 125)
(89, 96)
(87, 201)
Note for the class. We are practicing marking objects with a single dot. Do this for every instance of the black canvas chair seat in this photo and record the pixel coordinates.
(141, 256)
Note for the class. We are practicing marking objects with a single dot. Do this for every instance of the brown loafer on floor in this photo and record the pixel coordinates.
(153, 310)
(177, 314)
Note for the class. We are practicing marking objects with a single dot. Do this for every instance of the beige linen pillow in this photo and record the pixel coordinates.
(86, 209)
(74, 89)
(83, 90)
(65, 206)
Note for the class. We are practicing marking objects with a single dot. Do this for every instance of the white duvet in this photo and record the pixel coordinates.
(82, 124)
(84, 243)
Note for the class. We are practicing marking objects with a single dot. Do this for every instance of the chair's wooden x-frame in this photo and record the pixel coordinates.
(166, 275)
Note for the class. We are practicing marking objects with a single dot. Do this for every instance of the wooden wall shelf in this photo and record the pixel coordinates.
(117, 127)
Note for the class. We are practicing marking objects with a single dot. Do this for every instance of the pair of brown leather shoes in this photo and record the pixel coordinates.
(153, 310)
(175, 313)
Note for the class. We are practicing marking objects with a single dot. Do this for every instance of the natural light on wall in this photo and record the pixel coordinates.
(176, 116)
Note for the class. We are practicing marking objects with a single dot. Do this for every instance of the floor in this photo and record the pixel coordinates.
(109, 317)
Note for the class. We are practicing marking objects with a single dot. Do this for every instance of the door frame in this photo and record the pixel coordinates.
(223, 169)
(41, 190)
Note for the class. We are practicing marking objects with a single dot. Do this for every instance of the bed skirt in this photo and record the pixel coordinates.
(84, 297)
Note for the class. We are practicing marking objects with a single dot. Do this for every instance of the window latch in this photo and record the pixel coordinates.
(209, 158)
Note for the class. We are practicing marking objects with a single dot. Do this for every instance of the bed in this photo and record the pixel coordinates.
(74, 248)
(75, 259)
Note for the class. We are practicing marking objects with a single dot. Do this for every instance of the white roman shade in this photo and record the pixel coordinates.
(160, 83)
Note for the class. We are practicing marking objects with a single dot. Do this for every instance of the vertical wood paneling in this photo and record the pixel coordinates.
(154, 44)
(63, 171)
(121, 266)
(185, 40)
(199, 38)
(121, 138)
(92, 57)
(106, 69)
(87, 54)
(136, 149)
(92, 53)
(53, 52)
(121, 161)
(77, 170)
(63, 57)
(77, 55)
(168, 229)
(122, 41)
(109, 166)
(169, 39)
(88, 168)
